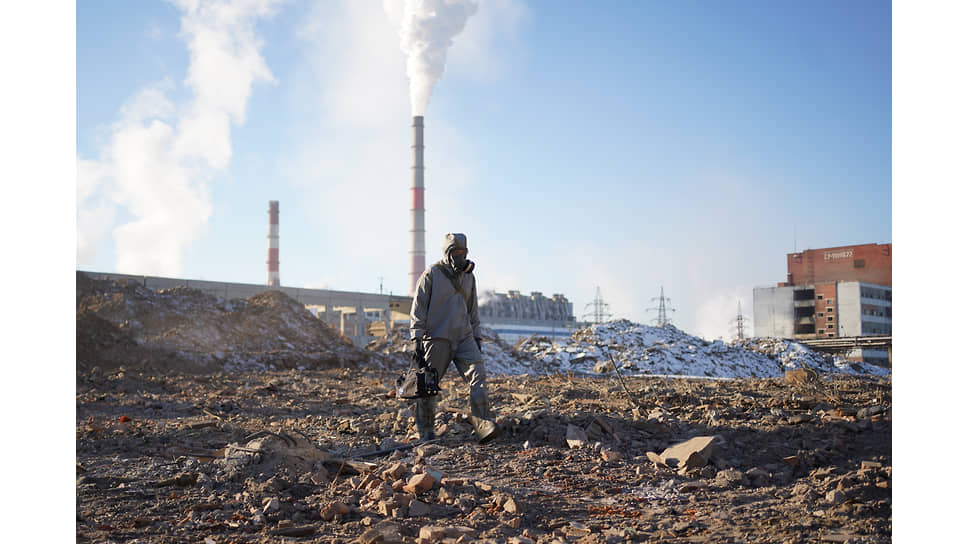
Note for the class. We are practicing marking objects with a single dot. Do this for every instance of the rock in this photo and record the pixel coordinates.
(512, 506)
(394, 472)
(419, 508)
(655, 458)
(432, 533)
(797, 419)
(332, 510)
(575, 436)
(693, 453)
(731, 476)
(271, 505)
(835, 496)
(611, 456)
(869, 411)
(419, 483)
(603, 367)
(758, 477)
(801, 376)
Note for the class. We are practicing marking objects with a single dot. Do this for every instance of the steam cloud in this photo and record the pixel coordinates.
(426, 32)
(159, 160)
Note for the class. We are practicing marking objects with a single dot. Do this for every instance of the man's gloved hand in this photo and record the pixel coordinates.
(478, 340)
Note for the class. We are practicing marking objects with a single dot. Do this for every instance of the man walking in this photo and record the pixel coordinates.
(444, 327)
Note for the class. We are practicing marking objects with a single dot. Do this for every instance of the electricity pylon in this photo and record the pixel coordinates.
(662, 319)
(599, 311)
(739, 320)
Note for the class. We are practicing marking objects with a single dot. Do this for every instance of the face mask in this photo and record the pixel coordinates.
(459, 262)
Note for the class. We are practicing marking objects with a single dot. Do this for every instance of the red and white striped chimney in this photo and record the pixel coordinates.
(417, 253)
(272, 275)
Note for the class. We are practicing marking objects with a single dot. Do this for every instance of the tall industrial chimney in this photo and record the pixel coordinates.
(272, 275)
(417, 253)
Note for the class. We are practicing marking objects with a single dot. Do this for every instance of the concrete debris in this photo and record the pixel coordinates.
(259, 456)
(187, 330)
(693, 453)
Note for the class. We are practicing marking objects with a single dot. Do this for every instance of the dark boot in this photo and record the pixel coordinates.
(485, 429)
(424, 418)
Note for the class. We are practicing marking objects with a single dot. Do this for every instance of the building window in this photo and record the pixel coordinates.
(819, 297)
(830, 325)
(858, 263)
(830, 301)
(819, 314)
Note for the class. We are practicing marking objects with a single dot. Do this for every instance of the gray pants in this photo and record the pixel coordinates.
(468, 360)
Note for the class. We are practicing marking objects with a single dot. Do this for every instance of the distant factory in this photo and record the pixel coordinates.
(514, 316)
(829, 293)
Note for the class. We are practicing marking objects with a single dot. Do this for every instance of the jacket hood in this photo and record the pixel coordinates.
(454, 240)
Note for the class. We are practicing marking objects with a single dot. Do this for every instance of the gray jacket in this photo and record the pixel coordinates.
(439, 311)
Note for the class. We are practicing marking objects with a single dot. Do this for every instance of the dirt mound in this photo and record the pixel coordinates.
(124, 323)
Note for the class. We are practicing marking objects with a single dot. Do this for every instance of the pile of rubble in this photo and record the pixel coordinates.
(640, 349)
(124, 323)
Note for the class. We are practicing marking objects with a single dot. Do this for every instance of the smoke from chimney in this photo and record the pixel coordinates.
(272, 274)
(427, 31)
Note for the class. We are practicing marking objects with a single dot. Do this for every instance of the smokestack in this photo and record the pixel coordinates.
(272, 274)
(417, 253)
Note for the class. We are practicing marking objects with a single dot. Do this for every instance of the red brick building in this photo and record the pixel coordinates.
(868, 263)
(830, 292)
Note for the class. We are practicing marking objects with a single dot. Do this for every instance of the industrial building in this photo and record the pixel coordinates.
(514, 316)
(829, 293)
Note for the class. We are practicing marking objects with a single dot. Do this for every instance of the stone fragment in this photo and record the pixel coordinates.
(270, 506)
(731, 476)
(801, 376)
(758, 477)
(870, 411)
(419, 508)
(512, 506)
(332, 510)
(394, 472)
(693, 453)
(611, 456)
(835, 496)
(869, 464)
(575, 436)
(791, 460)
(419, 483)
(797, 419)
(432, 533)
(655, 458)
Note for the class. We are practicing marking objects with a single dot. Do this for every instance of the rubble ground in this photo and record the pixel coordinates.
(288, 456)
(200, 419)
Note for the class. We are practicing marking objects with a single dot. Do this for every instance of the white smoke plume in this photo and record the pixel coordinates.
(427, 30)
(156, 166)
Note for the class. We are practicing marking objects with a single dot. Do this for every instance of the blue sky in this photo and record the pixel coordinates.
(625, 145)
